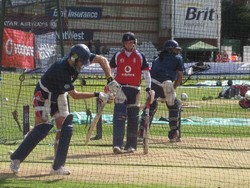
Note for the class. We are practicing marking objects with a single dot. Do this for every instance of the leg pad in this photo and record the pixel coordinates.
(64, 141)
(132, 127)
(38, 133)
(119, 118)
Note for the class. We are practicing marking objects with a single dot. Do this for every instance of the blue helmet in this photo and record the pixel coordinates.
(128, 36)
(171, 44)
(81, 52)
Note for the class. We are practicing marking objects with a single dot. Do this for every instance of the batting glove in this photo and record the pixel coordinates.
(104, 97)
(111, 98)
(111, 95)
(113, 85)
(150, 94)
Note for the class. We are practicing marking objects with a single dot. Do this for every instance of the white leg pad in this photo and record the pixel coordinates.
(169, 92)
(46, 110)
(63, 105)
(120, 97)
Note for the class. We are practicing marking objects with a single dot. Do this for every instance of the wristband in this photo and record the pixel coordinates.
(110, 79)
(96, 94)
(148, 89)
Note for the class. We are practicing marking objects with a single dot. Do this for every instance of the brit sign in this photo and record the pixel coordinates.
(76, 12)
(196, 19)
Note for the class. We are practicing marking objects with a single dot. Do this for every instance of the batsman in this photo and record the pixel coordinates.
(129, 64)
(50, 99)
(166, 75)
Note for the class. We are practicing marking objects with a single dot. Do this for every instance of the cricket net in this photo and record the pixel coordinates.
(215, 146)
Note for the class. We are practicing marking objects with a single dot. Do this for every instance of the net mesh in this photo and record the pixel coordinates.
(214, 151)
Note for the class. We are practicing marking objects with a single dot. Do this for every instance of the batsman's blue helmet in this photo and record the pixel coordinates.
(171, 44)
(128, 36)
(80, 52)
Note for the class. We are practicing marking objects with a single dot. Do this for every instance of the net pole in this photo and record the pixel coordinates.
(26, 121)
(60, 30)
(1, 34)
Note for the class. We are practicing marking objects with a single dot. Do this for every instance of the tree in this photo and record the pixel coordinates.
(235, 22)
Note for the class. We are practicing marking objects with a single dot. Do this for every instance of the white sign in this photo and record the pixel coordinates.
(196, 19)
(45, 47)
(246, 54)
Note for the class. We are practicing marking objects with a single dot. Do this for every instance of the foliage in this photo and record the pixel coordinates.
(235, 22)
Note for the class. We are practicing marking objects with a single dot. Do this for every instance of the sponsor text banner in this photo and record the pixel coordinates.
(18, 49)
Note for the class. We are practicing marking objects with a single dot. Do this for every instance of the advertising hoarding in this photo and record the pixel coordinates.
(196, 19)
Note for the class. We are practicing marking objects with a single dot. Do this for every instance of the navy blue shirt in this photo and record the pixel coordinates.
(59, 78)
(166, 66)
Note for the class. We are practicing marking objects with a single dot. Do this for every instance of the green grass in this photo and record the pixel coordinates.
(11, 183)
(10, 136)
(78, 142)
(20, 93)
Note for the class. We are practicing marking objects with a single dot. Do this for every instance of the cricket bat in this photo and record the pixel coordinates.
(146, 127)
(94, 123)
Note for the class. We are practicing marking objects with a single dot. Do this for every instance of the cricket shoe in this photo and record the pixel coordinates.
(96, 137)
(140, 135)
(140, 139)
(15, 165)
(10, 152)
(173, 136)
(131, 150)
(61, 171)
(117, 150)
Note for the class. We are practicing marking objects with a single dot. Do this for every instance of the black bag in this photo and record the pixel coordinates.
(244, 103)
(194, 69)
(200, 66)
(234, 90)
(243, 89)
(230, 92)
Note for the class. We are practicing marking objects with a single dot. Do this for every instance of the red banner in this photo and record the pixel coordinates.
(18, 49)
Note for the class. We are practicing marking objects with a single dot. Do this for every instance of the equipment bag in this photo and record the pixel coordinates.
(244, 103)
(200, 66)
(234, 91)
(229, 92)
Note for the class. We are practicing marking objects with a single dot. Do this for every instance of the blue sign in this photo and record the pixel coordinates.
(76, 35)
(224, 68)
(76, 12)
(38, 25)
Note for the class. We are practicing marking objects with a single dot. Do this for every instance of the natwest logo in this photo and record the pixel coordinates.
(194, 13)
(46, 51)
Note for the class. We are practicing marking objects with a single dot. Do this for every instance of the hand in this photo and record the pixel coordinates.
(150, 94)
(111, 98)
(111, 95)
(104, 97)
(113, 85)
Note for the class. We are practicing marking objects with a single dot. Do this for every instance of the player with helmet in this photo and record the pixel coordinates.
(130, 64)
(50, 99)
(166, 75)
